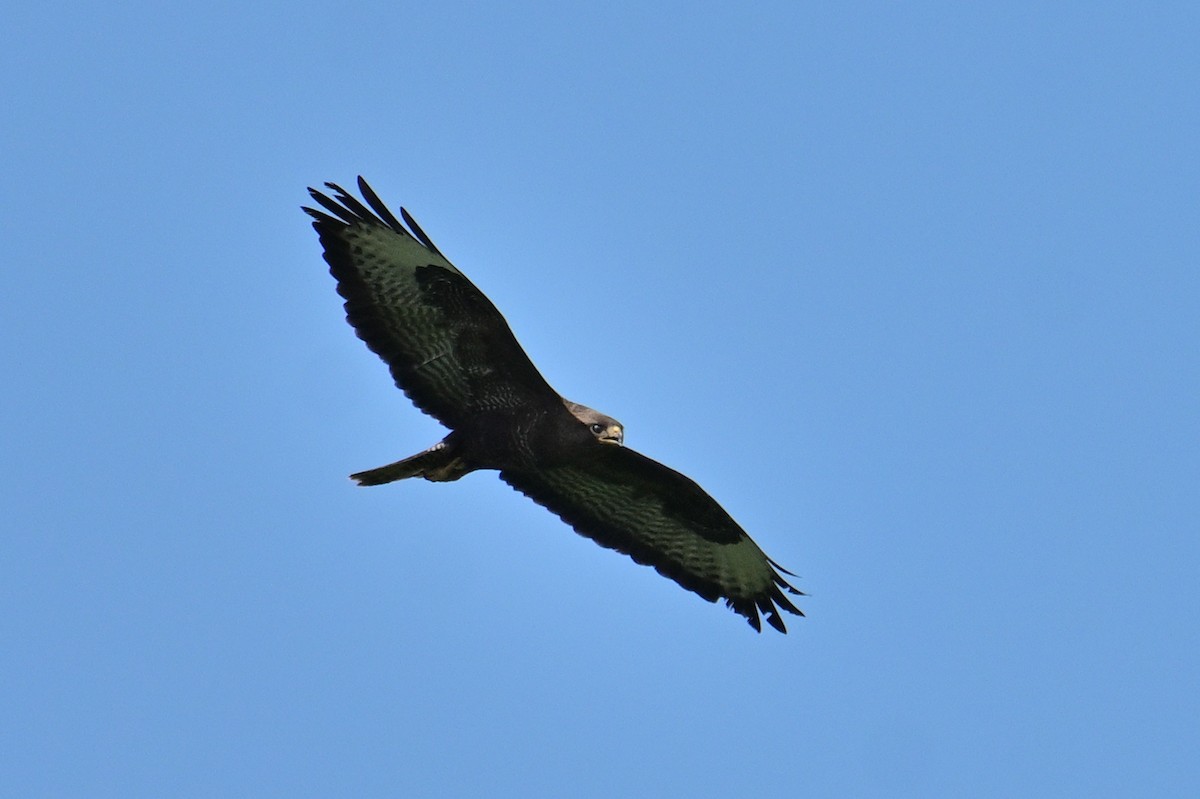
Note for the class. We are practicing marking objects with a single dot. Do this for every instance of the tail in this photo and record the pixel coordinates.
(438, 463)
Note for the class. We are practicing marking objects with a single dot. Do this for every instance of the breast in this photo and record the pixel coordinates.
(524, 438)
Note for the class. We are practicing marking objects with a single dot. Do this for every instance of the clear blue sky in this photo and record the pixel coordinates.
(912, 289)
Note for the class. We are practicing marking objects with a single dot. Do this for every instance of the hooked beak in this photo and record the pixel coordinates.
(613, 435)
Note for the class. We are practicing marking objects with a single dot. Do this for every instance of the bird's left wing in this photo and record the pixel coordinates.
(625, 501)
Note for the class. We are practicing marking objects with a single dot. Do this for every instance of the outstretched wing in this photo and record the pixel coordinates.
(625, 501)
(447, 346)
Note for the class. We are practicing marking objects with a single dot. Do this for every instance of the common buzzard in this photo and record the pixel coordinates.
(453, 355)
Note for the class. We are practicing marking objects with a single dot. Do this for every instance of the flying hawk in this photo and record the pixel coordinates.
(451, 352)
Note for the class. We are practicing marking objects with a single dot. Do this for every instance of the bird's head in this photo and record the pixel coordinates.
(606, 429)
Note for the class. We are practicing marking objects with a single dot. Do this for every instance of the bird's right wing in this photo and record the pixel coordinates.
(447, 346)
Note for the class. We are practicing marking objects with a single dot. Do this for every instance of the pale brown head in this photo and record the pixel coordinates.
(606, 429)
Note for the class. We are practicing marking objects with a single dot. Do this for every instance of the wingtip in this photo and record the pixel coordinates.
(773, 562)
(776, 621)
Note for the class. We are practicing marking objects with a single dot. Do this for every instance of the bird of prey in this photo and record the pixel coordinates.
(452, 353)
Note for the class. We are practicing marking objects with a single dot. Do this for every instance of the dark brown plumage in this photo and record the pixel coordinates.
(454, 356)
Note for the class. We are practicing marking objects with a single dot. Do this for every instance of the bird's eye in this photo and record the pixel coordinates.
(597, 428)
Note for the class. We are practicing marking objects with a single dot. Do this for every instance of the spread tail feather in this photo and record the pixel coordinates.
(438, 463)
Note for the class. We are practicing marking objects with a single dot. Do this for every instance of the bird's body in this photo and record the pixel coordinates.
(453, 354)
(504, 440)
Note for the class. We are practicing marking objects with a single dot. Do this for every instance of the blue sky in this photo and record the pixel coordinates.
(911, 289)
